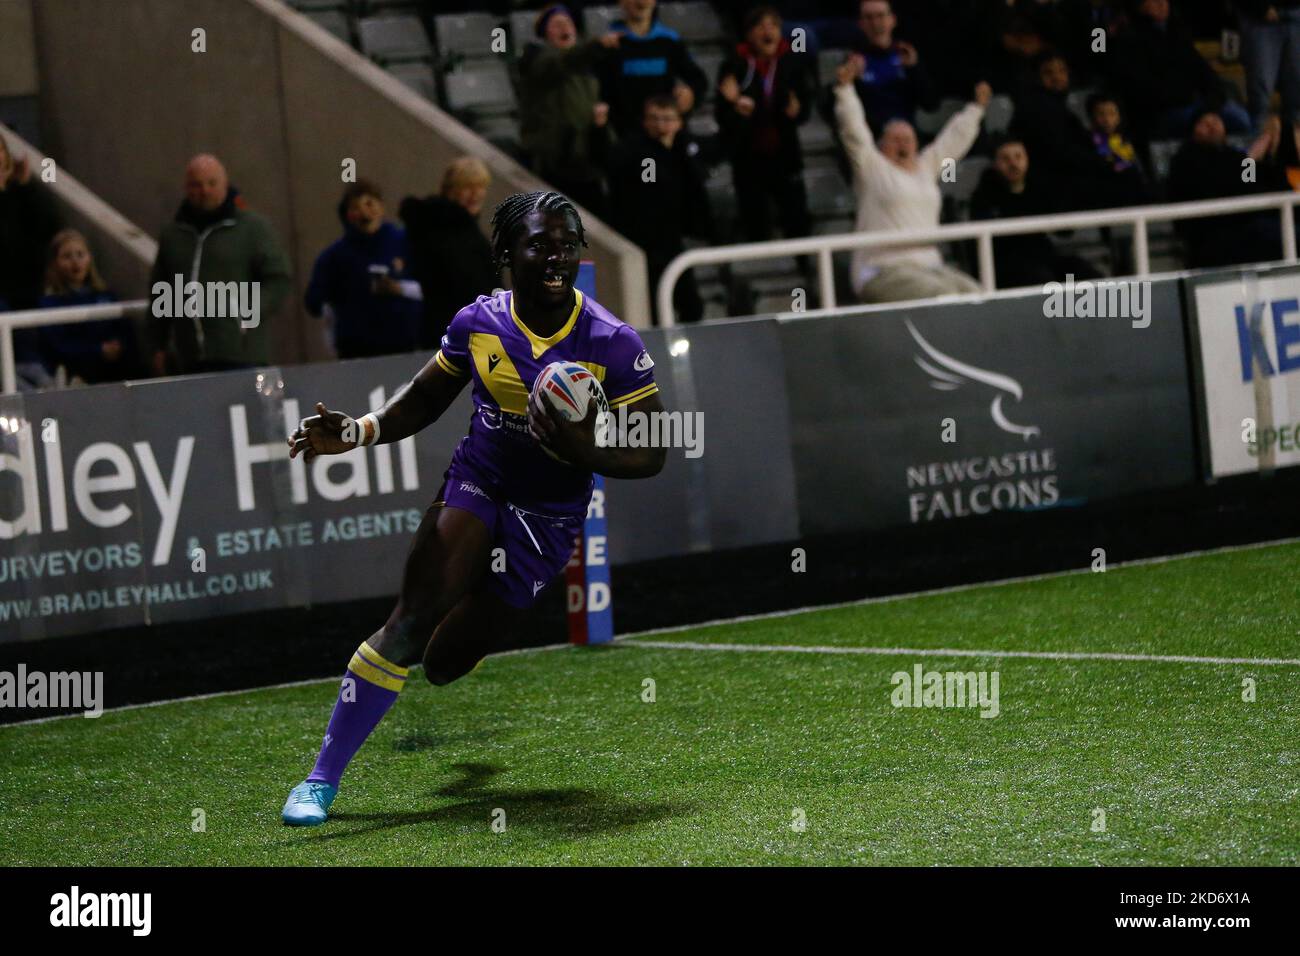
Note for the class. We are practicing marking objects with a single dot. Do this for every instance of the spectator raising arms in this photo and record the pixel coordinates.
(450, 256)
(563, 124)
(363, 278)
(896, 188)
(649, 60)
(658, 212)
(215, 239)
(764, 92)
(103, 350)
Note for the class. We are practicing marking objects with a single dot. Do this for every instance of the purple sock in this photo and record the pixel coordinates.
(368, 690)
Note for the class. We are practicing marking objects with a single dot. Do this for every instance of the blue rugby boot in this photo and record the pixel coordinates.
(308, 804)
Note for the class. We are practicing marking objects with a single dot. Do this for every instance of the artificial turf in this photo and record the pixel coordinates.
(737, 747)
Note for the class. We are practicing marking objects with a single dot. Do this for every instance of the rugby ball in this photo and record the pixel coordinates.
(570, 389)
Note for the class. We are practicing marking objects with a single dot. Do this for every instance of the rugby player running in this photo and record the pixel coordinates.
(501, 489)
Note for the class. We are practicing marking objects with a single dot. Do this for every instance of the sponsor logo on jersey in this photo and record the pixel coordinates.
(472, 488)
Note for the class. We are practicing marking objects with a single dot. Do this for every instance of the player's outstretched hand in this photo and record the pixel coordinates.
(321, 434)
(571, 441)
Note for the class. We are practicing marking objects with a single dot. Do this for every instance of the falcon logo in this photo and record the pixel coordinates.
(643, 361)
(948, 374)
(493, 362)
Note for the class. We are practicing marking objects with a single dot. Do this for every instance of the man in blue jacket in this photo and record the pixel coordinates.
(364, 280)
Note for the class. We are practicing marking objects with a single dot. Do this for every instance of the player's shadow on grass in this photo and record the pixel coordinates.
(563, 811)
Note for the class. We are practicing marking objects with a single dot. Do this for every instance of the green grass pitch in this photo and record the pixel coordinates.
(714, 770)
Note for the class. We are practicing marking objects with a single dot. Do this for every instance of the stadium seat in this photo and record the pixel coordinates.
(969, 171)
(521, 29)
(997, 117)
(333, 22)
(704, 273)
(833, 227)
(828, 195)
(596, 20)
(464, 34)
(815, 135)
(481, 91)
(722, 194)
(929, 122)
(394, 38)
(827, 62)
(1077, 100)
(502, 132)
(696, 22)
(417, 76)
(1162, 154)
(702, 125)
(710, 61)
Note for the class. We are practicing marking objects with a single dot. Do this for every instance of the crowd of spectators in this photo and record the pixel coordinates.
(606, 120)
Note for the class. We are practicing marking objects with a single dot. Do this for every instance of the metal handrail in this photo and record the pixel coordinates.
(29, 318)
(983, 232)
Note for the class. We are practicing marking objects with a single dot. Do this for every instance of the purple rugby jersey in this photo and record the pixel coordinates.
(488, 341)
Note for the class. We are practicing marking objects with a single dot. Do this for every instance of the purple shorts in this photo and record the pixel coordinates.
(537, 547)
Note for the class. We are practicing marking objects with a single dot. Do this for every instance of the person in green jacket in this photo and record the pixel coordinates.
(215, 241)
(563, 126)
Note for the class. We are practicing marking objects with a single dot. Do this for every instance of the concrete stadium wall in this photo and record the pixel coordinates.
(18, 75)
(17, 49)
(123, 252)
(126, 102)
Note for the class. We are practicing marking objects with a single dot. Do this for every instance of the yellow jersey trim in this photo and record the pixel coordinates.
(445, 364)
(644, 392)
(540, 345)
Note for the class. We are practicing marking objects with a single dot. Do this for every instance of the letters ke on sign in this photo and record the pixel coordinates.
(1248, 367)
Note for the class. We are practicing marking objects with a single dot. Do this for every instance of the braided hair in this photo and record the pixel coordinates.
(512, 211)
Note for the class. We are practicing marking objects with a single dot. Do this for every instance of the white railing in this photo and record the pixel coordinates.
(983, 232)
(32, 318)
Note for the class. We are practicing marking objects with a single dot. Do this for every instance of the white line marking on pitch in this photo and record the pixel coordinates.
(629, 638)
(956, 652)
(958, 588)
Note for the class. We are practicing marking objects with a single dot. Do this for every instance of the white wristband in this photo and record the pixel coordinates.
(369, 425)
